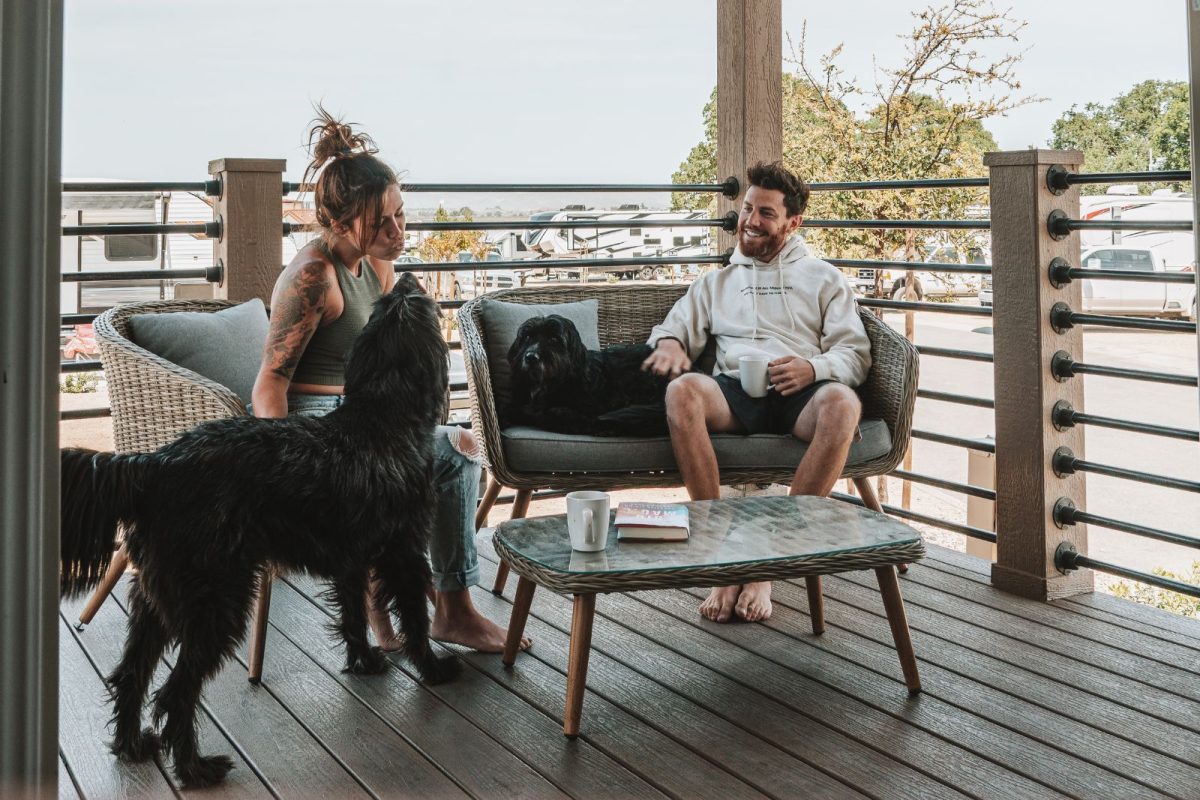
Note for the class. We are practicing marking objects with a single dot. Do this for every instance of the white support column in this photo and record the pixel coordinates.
(30, 200)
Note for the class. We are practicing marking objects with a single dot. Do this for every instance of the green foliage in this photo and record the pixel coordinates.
(922, 119)
(446, 245)
(1146, 128)
(1161, 598)
(79, 383)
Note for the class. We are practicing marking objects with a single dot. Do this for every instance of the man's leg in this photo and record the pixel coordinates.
(828, 424)
(695, 408)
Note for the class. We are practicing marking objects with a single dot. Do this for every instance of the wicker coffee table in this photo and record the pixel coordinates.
(732, 541)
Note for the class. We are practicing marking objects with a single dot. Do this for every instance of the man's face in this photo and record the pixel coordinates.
(764, 224)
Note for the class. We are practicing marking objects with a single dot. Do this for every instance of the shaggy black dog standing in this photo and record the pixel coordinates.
(204, 515)
(561, 386)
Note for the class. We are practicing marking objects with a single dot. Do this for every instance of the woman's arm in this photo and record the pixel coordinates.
(297, 306)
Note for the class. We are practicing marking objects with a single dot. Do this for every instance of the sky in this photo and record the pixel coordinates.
(505, 91)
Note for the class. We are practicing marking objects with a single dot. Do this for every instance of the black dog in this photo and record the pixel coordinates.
(204, 515)
(561, 386)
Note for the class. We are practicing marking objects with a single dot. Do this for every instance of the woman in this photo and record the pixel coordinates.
(320, 302)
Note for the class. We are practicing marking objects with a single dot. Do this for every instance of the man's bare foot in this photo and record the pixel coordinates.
(718, 606)
(754, 603)
(381, 626)
(456, 620)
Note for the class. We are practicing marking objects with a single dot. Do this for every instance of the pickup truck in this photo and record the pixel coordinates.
(1123, 296)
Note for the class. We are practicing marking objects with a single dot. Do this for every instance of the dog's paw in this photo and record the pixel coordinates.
(366, 662)
(206, 771)
(141, 746)
(439, 670)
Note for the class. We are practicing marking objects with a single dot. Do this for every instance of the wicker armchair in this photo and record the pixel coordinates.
(153, 402)
(627, 314)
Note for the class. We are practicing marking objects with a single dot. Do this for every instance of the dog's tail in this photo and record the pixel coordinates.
(98, 490)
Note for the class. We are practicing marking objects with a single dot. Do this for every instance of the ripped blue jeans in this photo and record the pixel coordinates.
(452, 553)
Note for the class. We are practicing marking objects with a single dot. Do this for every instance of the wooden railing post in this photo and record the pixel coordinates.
(250, 209)
(749, 92)
(1027, 487)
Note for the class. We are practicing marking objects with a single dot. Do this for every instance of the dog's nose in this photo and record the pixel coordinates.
(531, 358)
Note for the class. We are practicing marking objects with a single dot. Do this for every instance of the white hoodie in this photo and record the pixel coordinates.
(793, 305)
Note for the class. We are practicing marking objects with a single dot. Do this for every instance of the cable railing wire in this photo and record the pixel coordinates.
(1067, 559)
(1062, 318)
(1064, 416)
(958, 399)
(982, 445)
(212, 188)
(916, 266)
(1065, 513)
(949, 352)
(209, 274)
(1064, 462)
(937, 522)
(1059, 178)
(1062, 366)
(901, 224)
(942, 483)
(210, 230)
(912, 305)
(564, 264)
(1061, 273)
(730, 187)
(1061, 226)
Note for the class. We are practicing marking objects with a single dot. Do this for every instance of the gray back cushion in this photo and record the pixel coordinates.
(224, 346)
(500, 323)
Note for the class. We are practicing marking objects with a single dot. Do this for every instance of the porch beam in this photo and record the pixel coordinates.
(749, 92)
(1026, 390)
(250, 210)
(31, 37)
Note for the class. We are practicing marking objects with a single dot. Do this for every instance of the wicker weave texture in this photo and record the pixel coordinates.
(153, 400)
(627, 314)
(719, 575)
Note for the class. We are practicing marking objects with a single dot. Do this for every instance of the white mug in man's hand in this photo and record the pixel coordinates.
(587, 520)
(753, 373)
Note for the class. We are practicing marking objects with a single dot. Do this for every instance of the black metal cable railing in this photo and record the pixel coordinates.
(1061, 226)
(67, 415)
(731, 187)
(982, 445)
(1067, 559)
(1064, 462)
(1065, 513)
(950, 352)
(727, 223)
(210, 274)
(212, 188)
(1062, 366)
(564, 264)
(1061, 273)
(901, 224)
(87, 365)
(210, 230)
(1064, 416)
(1059, 178)
(1062, 318)
(921, 183)
(912, 305)
(77, 319)
(957, 399)
(937, 522)
(941, 483)
(916, 266)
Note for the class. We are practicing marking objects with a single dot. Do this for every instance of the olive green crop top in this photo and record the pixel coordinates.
(324, 360)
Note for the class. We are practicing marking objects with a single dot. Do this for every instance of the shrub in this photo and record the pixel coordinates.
(1165, 599)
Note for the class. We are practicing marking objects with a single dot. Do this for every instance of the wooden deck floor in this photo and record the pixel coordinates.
(1092, 697)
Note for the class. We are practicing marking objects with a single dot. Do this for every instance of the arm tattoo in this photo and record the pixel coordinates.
(295, 315)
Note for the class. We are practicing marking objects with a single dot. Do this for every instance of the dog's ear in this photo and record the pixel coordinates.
(574, 343)
(524, 334)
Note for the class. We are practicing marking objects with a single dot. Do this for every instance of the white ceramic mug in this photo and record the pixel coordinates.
(587, 520)
(752, 370)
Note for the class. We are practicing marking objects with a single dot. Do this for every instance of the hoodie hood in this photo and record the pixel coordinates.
(793, 250)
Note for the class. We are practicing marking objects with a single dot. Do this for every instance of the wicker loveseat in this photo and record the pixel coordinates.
(527, 459)
(154, 401)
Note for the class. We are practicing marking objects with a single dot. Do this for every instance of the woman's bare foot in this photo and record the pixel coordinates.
(754, 603)
(718, 606)
(456, 620)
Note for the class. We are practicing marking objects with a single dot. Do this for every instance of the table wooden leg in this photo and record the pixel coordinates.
(516, 622)
(258, 634)
(520, 509)
(893, 603)
(577, 661)
(816, 603)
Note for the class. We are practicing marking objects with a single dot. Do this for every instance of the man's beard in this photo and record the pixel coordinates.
(761, 247)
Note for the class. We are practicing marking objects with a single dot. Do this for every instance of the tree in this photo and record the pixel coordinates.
(446, 245)
(1147, 128)
(922, 119)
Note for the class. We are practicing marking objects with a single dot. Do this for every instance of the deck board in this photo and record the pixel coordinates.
(1086, 697)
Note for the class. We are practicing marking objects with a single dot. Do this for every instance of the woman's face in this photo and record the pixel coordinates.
(385, 235)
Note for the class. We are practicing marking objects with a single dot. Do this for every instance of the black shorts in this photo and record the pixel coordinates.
(771, 414)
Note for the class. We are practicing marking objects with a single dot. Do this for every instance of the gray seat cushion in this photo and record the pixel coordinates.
(224, 346)
(500, 323)
(534, 450)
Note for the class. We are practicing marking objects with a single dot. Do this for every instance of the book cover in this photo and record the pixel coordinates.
(651, 522)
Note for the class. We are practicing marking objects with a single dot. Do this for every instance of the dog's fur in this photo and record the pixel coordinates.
(203, 517)
(560, 385)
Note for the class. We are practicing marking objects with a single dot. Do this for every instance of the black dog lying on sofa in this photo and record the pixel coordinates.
(559, 385)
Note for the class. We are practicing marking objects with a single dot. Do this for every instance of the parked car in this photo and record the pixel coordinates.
(1134, 297)
(1123, 296)
(926, 282)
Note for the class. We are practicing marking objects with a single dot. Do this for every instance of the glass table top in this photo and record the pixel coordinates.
(723, 532)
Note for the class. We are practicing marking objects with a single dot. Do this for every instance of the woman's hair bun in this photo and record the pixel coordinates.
(330, 138)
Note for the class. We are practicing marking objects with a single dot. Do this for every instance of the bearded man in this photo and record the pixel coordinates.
(773, 300)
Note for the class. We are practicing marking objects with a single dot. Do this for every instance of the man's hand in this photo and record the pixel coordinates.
(790, 374)
(668, 358)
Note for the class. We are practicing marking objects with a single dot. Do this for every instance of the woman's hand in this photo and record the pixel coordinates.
(790, 374)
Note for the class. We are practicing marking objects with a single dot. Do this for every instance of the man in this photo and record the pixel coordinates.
(773, 299)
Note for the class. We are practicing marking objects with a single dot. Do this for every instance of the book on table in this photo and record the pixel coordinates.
(652, 522)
